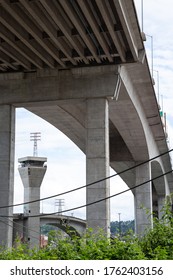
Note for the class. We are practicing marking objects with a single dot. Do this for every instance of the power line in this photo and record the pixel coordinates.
(86, 205)
(97, 201)
(26, 227)
(106, 198)
(12, 226)
(87, 185)
(21, 226)
(6, 222)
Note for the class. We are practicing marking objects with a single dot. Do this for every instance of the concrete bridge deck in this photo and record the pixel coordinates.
(68, 224)
(50, 34)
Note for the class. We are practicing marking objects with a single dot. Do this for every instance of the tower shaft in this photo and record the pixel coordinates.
(32, 171)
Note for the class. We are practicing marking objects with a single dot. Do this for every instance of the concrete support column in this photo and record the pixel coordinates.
(97, 163)
(7, 144)
(143, 199)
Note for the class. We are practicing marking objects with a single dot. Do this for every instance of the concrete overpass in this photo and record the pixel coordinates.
(68, 224)
(81, 66)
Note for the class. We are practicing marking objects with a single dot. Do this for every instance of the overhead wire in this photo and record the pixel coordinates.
(79, 207)
(97, 201)
(89, 184)
(31, 230)
(86, 205)
(103, 199)
(12, 226)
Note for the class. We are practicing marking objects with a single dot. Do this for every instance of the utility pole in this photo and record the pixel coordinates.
(35, 136)
(142, 16)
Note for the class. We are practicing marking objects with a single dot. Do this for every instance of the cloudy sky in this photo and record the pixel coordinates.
(66, 163)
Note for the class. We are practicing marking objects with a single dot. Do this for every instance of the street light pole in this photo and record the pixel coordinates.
(119, 220)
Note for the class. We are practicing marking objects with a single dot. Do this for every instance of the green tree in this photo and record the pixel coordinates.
(122, 227)
(46, 228)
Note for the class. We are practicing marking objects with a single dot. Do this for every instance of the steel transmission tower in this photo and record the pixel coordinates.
(35, 136)
(60, 203)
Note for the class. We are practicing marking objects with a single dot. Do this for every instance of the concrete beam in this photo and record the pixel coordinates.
(56, 85)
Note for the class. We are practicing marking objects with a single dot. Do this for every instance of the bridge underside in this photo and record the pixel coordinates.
(112, 132)
(130, 140)
(81, 66)
(127, 138)
(50, 34)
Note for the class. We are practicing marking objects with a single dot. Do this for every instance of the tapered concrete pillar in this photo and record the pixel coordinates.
(97, 164)
(7, 144)
(32, 171)
(143, 199)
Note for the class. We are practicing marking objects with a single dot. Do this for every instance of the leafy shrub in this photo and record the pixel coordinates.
(156, 244)
(89, 247)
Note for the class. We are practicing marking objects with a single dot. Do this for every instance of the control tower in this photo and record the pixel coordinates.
(32, 170)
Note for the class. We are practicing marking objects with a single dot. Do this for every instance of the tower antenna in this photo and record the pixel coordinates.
(35, 136)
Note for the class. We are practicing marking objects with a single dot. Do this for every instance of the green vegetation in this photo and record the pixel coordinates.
(117, 228)
(91, 246)
(45, 229)
(122, 227)
(156, 244)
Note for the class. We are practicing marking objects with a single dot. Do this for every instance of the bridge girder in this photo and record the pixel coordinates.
(50, 34)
